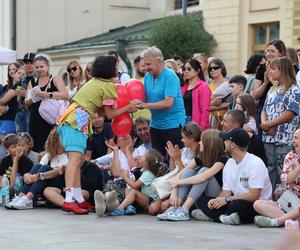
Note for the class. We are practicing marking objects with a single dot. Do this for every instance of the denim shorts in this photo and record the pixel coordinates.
(72, 139)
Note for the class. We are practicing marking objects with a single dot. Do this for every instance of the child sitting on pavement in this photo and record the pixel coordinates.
(26, 143)
(152, 168)
(15, 162)
(53, 162)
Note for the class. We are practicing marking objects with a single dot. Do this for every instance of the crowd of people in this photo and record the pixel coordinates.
(225, 148)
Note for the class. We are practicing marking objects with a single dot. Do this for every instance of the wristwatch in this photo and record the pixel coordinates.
(51, 95)
(41, 176)
(229, 198)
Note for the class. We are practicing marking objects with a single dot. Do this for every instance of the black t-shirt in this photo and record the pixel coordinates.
(6, 164)
(10, 115)
(188, 102)
(96, 143)
(219, 175)
(256, 147)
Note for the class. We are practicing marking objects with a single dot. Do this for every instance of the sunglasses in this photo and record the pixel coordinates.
(72, 69)
(186, 69)
(214, 68)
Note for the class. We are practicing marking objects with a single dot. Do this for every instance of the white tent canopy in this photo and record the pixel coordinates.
(7, 56)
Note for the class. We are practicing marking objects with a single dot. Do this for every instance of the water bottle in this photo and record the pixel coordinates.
(4, 190)
(19, 98)
(18, 184)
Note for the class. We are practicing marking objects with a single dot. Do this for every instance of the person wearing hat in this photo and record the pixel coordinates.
(22, 117)
(245, 180)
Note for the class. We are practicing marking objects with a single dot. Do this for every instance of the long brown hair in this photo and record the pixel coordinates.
(53, 144)
(213, 147)
(248, 105)
(288, 75)
(154, 162)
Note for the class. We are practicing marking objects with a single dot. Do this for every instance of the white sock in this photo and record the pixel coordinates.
(78, 194)
(69, 195)
(274, 222)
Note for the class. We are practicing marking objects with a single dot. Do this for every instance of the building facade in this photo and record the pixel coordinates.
(240, 27)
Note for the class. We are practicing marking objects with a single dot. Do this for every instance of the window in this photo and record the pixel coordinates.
(178, 3)
(263, 34)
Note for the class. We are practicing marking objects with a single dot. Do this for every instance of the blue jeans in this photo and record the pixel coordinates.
(22, 121)
(38, 186)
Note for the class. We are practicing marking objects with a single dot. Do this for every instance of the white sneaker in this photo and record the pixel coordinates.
(197, 214)
(232, 219)
(169, 212)
(23, 203)
(111, 201)
(100, 203)
(10, 204)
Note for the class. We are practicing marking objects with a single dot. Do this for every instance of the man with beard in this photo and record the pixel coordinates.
(139, 73)
(139, 69)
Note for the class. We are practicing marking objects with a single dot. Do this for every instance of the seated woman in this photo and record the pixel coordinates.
(191, 134)
(53, 161)
(272, 214)
(189, 184)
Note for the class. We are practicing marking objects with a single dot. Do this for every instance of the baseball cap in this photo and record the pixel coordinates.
(237, 135)
(29, 57)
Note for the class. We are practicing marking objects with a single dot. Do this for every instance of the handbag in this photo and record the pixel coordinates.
(161, 184)
(52, 109)
(288, 201)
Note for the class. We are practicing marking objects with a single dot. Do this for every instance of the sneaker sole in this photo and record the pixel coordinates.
(22, 208)
(99, 203)
(111, 201)
(175, 218)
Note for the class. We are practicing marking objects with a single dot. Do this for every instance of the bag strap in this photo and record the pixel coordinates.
(49, 83)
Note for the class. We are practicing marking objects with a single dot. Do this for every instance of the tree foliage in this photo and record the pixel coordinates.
(181, 35)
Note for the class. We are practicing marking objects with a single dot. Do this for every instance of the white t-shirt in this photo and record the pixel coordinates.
(106, 160)
(251, 172)
(187, 155)
(141, 150)
(57, 161)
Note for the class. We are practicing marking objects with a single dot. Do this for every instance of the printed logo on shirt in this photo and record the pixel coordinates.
(244, 182)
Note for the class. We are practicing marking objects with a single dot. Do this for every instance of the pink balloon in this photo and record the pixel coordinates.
(135, 90)
(122, 127)
(123, 98)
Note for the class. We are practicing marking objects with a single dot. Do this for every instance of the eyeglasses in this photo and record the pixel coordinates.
(72, 69)
(186, 69)
(214, 68)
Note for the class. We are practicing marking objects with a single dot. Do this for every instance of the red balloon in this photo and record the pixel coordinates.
(123, 98)
(122, 127)
(121, 117)
(135, 90)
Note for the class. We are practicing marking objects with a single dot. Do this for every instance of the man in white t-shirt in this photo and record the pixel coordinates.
(245, 180)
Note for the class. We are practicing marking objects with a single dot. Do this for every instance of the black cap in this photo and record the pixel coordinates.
(29, 57)
(239, 136)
